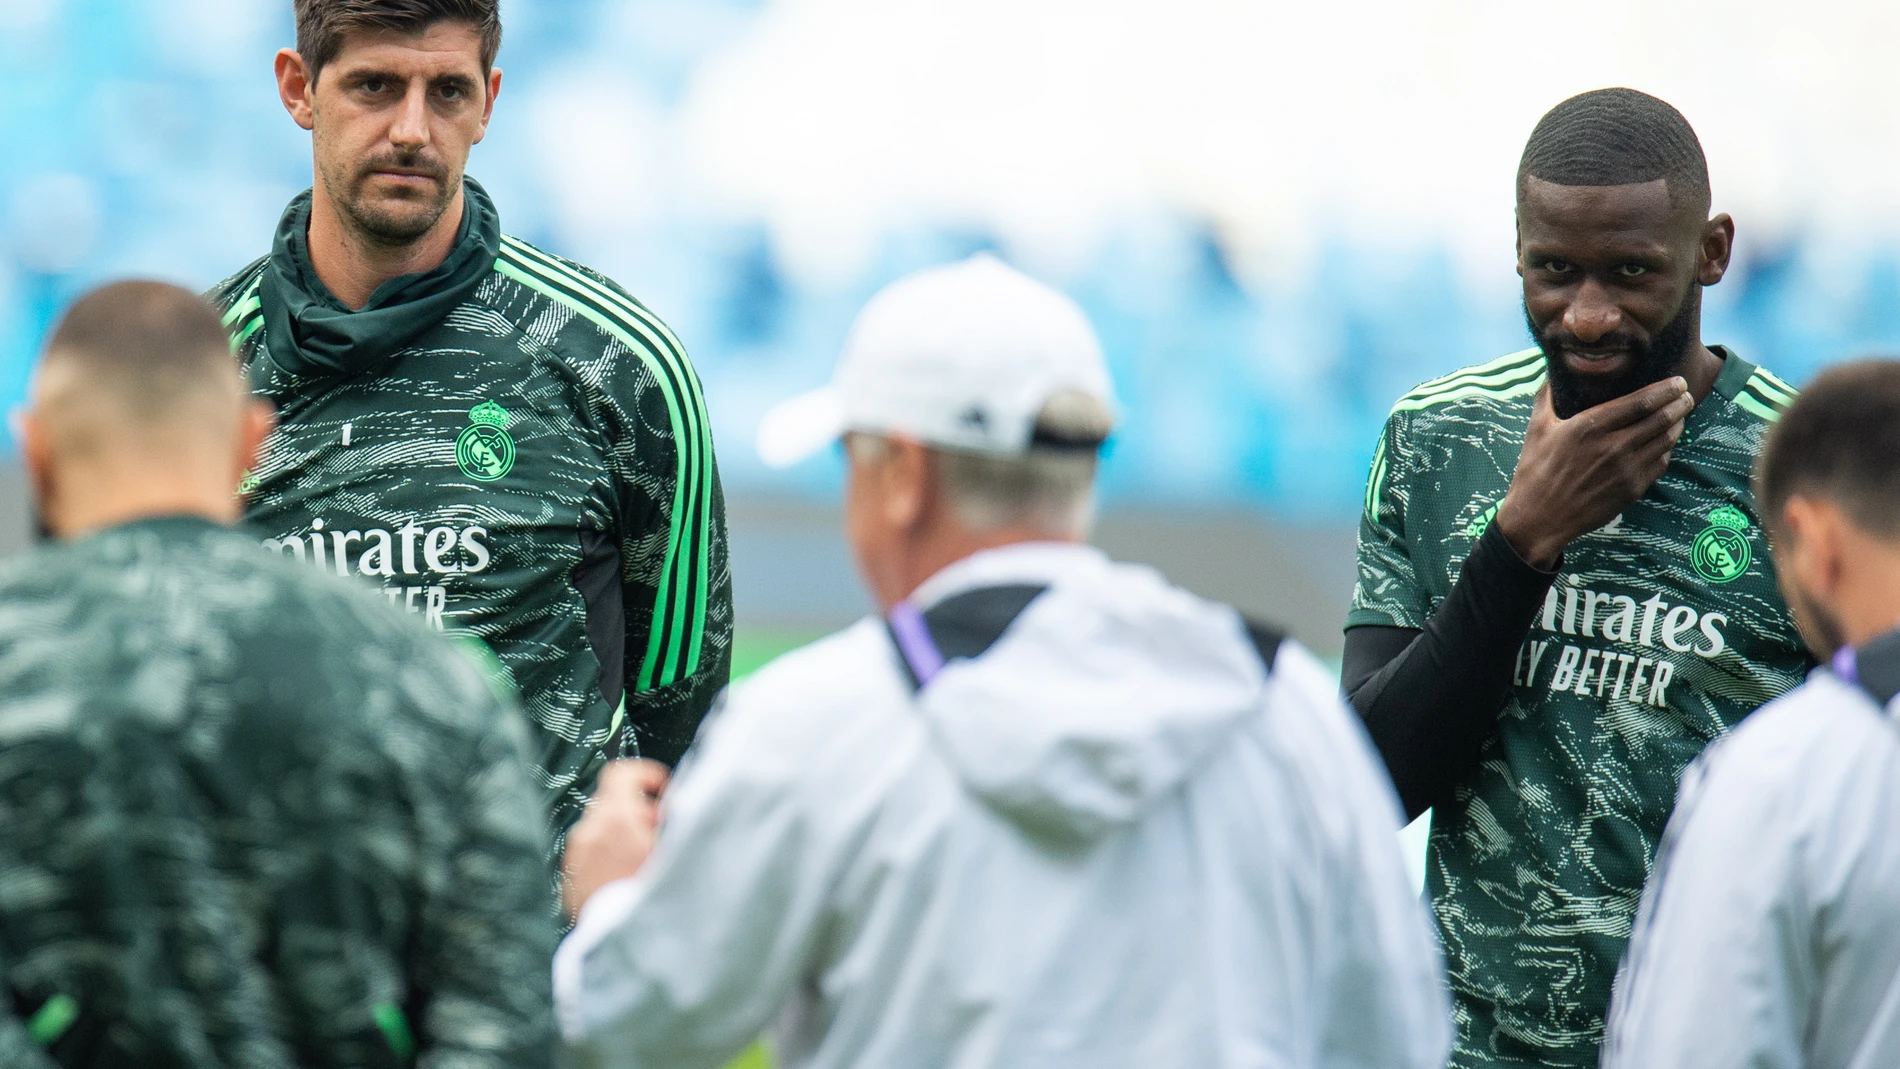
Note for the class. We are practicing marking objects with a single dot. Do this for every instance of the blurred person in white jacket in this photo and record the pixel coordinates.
(1769, 934)
(1046, 811)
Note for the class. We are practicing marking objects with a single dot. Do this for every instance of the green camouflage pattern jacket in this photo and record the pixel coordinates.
(249, 816)
(511, 447)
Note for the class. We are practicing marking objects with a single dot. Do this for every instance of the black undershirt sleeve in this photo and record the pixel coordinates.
(1431, 698)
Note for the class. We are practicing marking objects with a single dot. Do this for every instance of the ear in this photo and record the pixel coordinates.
(488, 108)
(908, 478)
(37, 455)
(1718, 243)
(294, 87)
(255, 425)
(1811, 549)
(1517, 239)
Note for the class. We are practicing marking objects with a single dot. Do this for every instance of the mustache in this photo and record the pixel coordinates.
(420, 163)
(1617, 341)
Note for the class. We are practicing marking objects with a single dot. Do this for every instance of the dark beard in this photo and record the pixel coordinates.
(1820, 629)
(1651, 361)
(391, 225)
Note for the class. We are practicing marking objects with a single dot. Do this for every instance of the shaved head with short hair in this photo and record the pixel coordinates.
(133, 360)
(1618, 137)
(1828, 485)
(1839, 440)
(138, 398)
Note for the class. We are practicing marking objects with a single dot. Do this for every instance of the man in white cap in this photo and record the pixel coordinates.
(1046, 811)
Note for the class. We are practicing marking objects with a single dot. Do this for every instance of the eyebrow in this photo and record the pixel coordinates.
(363, 74)
(1632, 247)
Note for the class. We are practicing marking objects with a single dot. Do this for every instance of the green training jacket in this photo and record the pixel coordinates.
(513, 448)
(250, 818)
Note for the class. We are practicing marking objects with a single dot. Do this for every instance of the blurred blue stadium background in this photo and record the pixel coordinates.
(1280, 216)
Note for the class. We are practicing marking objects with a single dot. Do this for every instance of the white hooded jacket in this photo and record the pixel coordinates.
(1112, 839)
(1769, 935)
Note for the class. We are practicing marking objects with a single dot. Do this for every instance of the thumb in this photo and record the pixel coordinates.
(651, 777)
(1543, 415)
(623, 783)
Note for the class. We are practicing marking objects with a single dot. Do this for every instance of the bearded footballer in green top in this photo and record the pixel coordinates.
(1564, 593)
(506, 441)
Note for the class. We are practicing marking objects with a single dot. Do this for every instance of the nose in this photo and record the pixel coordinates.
(409, 131)
(1593, 314)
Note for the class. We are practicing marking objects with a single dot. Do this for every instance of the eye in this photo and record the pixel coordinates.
(453, 92)
(1631, 270)
(372, 86)
(1555, 267)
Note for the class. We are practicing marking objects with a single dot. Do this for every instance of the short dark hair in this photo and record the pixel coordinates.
(1840, 441)
(1617, 137)
(150, 344)
(322, 24)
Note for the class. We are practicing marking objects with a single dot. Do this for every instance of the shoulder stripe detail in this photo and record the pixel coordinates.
(621, 300)
(668, 348)
(1759, 394)
(1504, 367)
(658, 334)
(1375, 482)
(1498, 381)
(1777, 380)
(1502, 392)
(679, 610)
(244, 335)
(1764, 395)
(248, 303)
(1771, 387)
(246, 315)
(1750, 403)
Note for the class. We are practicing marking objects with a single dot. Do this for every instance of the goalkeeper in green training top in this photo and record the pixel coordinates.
(507, 442)
(1564, 593)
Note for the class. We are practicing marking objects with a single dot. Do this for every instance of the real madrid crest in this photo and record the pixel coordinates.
(1721, 552)
(484, 450)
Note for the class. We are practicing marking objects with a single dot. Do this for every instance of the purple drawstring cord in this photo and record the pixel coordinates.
(915, 643)
(1846, 665)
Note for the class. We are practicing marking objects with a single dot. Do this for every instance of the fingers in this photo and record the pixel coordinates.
(1544, 419)
(1648, 459)
(626, 782)
(1654, 452)
(1665, 423)
(1634, 407)
(653, 777)
(619, 784)
(630, 790)
(612, 839)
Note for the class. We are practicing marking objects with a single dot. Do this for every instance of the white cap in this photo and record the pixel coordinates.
(962, 356)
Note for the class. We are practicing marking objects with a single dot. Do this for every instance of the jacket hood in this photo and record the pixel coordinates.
(309, 333)
(1107, 692)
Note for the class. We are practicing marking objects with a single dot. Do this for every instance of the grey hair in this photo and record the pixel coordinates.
(1048, 488)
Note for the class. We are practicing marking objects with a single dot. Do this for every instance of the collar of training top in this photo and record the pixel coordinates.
(961, 626)
(1874, 667)
(964, 626)
(309, 332)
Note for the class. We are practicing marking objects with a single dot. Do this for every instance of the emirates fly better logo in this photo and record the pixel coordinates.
(1721, 552)
(484, 450)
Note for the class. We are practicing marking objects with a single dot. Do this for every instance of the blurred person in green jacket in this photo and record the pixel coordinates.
(249, 816)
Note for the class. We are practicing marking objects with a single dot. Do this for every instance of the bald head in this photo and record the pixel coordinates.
(139, 409)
